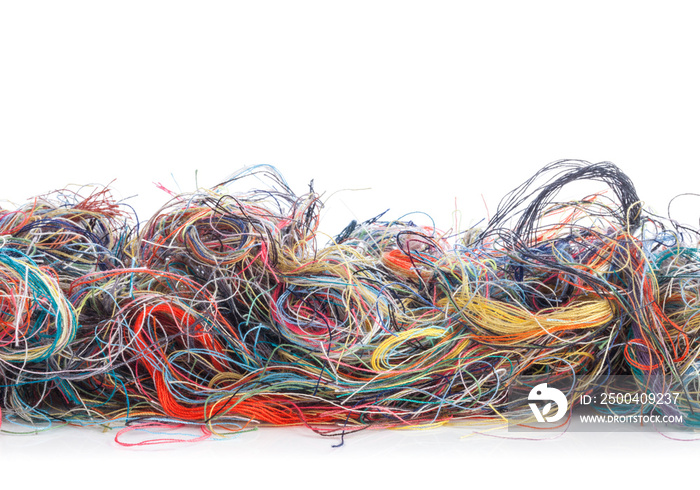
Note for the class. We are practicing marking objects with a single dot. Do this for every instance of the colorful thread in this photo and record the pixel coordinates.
(223, 311)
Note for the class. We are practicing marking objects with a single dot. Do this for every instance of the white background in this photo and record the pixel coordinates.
(431, 105)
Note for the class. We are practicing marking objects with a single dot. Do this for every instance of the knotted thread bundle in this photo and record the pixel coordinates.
(223, 310)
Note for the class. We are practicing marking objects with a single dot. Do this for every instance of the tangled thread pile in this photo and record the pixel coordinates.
(223, 311)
